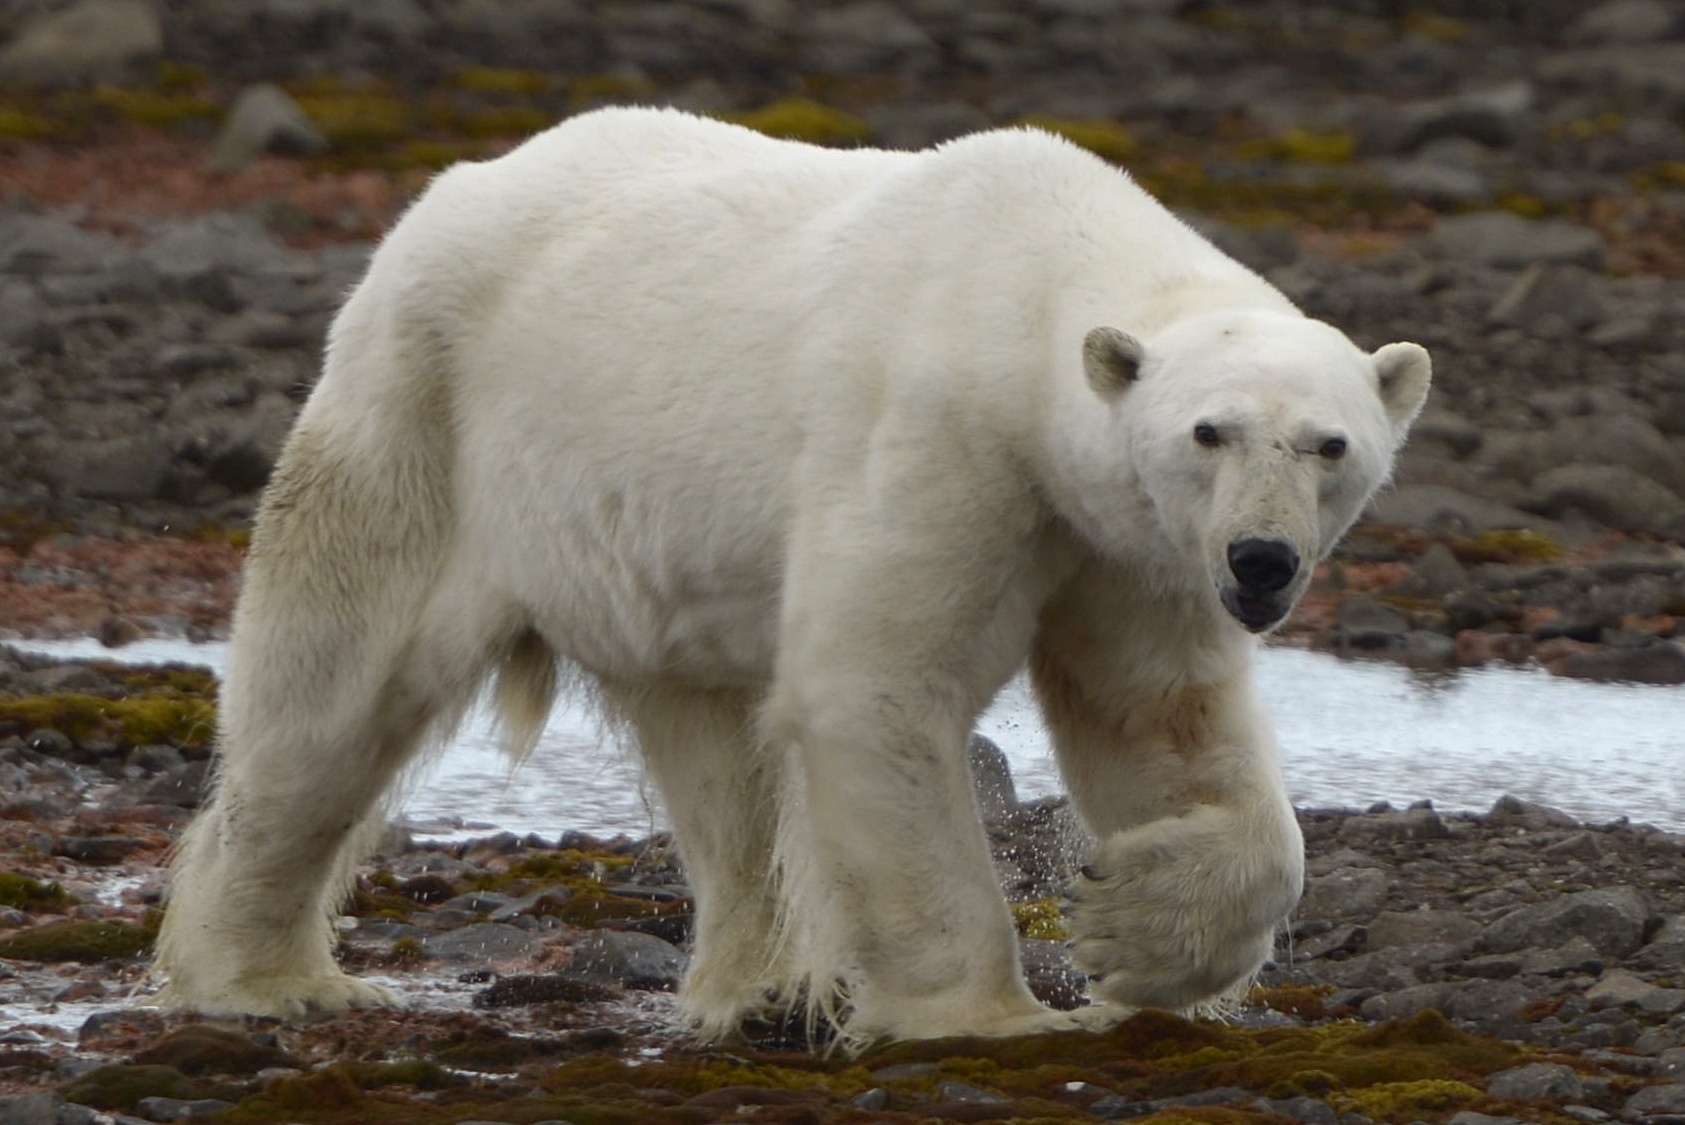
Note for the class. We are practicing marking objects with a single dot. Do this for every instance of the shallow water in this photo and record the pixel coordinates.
(1352, 733)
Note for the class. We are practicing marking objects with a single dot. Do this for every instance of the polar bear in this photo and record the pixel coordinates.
(794, 456)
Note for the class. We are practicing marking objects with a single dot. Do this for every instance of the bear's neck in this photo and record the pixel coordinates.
(1196, 296)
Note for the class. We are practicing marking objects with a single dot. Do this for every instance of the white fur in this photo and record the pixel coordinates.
(797, 455)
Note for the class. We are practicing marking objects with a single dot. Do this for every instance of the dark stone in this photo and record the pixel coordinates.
(1611, 919)
(1537, 1082)
(180, 1109)
(1656, 1100)
(481, 942)
(633, 959)
(203, 1049)
(515, 991)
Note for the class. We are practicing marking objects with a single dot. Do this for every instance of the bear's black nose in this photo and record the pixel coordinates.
(1263, 564)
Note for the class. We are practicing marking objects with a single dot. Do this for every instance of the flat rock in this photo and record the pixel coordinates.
(265, 118)
(1611, 919)
(1344, 894)
(627, 957)
(1506, 240)
(480, 943)
(1656, 1100)
(1537, 1082)
(89, 41)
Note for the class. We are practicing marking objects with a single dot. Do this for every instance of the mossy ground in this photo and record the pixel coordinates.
(88, 942)
(1420, 1069)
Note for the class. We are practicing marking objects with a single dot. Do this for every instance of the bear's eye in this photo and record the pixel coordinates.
(1333, 449)
(1206, 434)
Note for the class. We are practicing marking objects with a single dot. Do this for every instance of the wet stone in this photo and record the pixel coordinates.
(482, 942)
(1535, 1082)
(1653, 1101)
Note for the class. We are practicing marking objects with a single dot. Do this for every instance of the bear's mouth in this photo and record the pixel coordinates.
(1255, 609)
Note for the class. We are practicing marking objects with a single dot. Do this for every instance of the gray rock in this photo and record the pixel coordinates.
(481, 943)
(179, 1109)
(1611, 919)
(1514, 811)
(1419, 927)
(1404, 1002)
(1648, 76)
(866, 36)
(991, 778)
(1411, 824)
(919, 124)
(1367, 623)
(1470, 1117)
(1537, 1082)
(1493, 117)
(1560, 297)
(1435, 574)
(1623, 21)
(32, 1109)
(1619, 988)
(1614, 495)
(35, 245)
(264, 119)
(122, 468)
(1665, 950)
(1506, 240)
(1312, 1111)
(1656, 1100)
(1433, 181)
(626, 957)
(1661, 662)
(26, 323)
(1450, 429)
(1344, 894)
(183, 787)
(1443, 508)
(1576, 955)
(965, 1092)
(89, 41)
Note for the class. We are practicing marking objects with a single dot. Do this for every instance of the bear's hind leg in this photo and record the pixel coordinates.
(335, 677)
(719, 786)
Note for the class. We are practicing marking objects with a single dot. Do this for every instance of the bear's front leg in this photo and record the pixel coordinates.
(1198, 859)
(905, 609)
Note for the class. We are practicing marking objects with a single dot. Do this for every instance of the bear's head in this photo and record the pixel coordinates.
(1255, 438)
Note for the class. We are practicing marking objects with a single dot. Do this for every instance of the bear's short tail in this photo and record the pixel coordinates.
(525, 690)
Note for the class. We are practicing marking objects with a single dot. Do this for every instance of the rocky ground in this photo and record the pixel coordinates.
(1480, 969)
(187, 190)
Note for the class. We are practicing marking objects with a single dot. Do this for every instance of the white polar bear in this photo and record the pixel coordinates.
(795, 456)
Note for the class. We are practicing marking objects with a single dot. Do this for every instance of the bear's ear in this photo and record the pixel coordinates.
(1403, 372)
(1112, 358)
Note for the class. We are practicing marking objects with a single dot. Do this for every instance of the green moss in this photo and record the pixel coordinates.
(158, 108)
(1040, 919)
(594, 89)
(423, 1074)
(504, 121)
(1424, 1095)
(802, 119)
(23, 125)
(407, 951)
(84, 941)
(1508, 545)
(503, 80)
(20, 892)
(170, 717)
(181, 76)
(1302, 146)
(121, 1087)
(1104, 138)
(356, 119)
